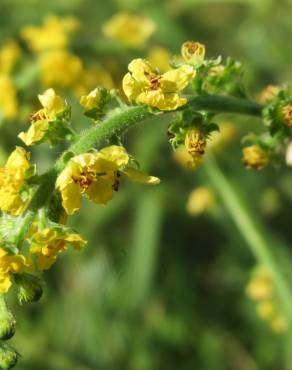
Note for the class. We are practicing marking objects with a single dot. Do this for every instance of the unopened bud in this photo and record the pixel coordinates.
(255, 157)
(29, 288)
(193, 52)
(287, 114)
(268, 94)
(7, 321)
(8, 357)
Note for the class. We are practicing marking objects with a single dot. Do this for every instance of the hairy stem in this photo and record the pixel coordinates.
(257, 241)
(118, 124)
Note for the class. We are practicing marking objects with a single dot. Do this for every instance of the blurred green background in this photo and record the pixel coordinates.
(156, 287)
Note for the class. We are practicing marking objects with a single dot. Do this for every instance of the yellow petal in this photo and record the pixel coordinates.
(111, 158)
(139, 176)
(71, 198)
(100, 191)
(52, 102)
(5, 283)
(176, 80)
(35, 133)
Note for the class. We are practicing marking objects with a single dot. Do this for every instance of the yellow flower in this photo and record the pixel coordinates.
(52, 105)
(132, 30)
(51, 35)
(60, 68)
(287, 114)
(8, 100)
(96, 175)
(260, 287)
(255, 157)
(12, 177)
(145, 85)
(9, 54)
(9, 265)
(193, 52)
(92, 100)
(159, 58)
(49, 242)
(200, 200)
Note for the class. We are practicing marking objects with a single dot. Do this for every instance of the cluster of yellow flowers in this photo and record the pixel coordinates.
(95, 174)
(50, 41)
(9, 54)
(59, 67)
(261, 290)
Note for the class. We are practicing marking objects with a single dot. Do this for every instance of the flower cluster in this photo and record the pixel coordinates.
(261, 290)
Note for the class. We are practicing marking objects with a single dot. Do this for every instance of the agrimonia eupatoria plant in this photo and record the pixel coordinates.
(35, 207)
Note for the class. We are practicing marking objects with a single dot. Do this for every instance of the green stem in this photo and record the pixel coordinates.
(250, 230)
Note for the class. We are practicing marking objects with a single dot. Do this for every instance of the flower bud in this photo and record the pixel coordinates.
(195, 142)
(268, 94)
(287, 114)
(255, 157)
(7, 321)
(193, 52)
(8, 357)
(29, 288)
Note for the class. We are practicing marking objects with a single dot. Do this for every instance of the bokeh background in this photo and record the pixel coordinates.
(161, 284)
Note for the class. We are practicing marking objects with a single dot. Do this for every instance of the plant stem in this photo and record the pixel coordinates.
(250, 230)
(118, 124)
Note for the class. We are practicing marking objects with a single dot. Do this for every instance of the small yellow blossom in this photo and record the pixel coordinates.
(49, 242)
(287, 114)
(200, 200)
(59, 68)
(9, 265)
(96, 175)
(9, 53)
(52, 105)
(53, 34)
(193, 52)
(268, 94)
(184, 159)
(255, 157)
(12, 177)
(260, 287)
(8, 100)
(195, 141)
(145, 85)
(159, 58)
(132, 30)
(92, 100)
